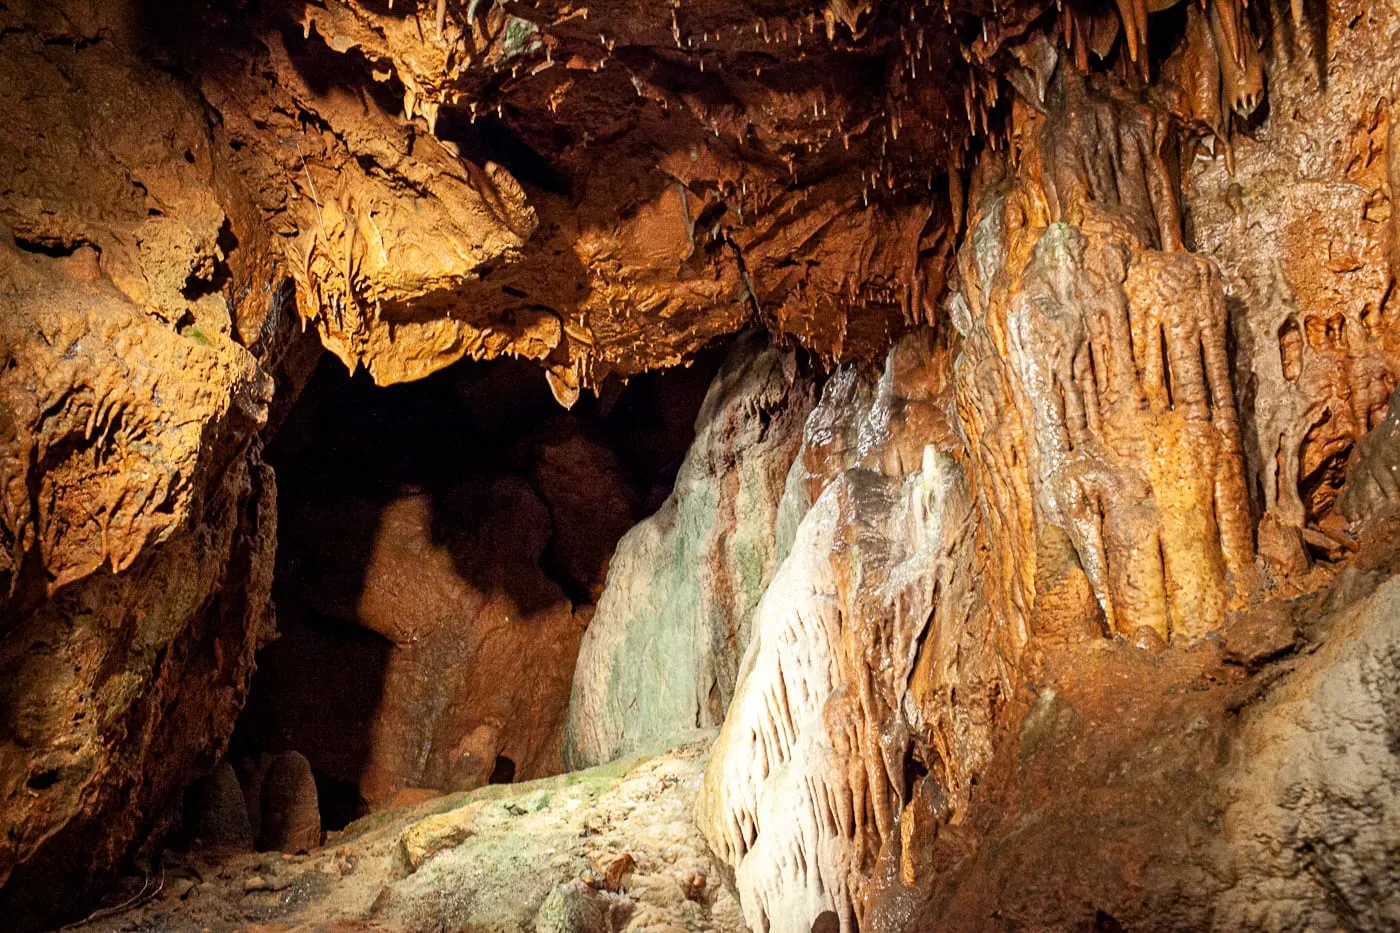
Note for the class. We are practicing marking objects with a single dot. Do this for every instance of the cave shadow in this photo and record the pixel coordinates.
(350, 453)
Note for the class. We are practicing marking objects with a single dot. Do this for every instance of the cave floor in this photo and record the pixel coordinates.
(609, 848)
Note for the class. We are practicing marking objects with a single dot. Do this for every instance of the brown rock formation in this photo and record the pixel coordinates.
(470, 658)
(808, 774)
(1299, 230)
(216, 811)
(662, 653)
(1095, 386)
(289, 813)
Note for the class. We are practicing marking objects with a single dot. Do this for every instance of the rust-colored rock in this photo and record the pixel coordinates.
(1095, 385)
(1027, 583)
(469, 658)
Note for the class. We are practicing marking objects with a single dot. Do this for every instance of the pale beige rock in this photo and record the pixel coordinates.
(427, 837)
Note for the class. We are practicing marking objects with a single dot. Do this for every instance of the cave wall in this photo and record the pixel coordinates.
(188, 191)
(138, 521)
(1161, 360)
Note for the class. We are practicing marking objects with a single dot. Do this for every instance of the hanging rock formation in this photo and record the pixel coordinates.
(809, 772)
(1095, 386)
(1302, 230)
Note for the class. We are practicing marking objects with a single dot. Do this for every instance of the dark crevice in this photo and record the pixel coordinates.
(402, 487)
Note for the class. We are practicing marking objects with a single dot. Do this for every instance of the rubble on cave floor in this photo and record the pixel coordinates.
(609, 848)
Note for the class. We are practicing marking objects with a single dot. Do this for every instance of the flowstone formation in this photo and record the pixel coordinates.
(661, 654)
(1095, 384)
(1045, 504)
(809, 773)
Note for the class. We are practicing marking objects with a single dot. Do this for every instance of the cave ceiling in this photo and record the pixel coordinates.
(606, 187)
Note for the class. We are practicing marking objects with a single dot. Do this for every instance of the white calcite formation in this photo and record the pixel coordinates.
(660, 656)
(806, 777)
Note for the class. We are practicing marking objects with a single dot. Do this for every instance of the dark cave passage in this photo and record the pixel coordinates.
(440, 548)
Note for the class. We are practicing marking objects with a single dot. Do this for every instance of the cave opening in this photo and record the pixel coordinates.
(441, 546)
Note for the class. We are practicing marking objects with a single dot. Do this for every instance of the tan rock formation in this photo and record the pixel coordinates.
(289, 811)
(807, 776)
(1095, 384)
(471, 655)
(1299, 230)
(137, 522)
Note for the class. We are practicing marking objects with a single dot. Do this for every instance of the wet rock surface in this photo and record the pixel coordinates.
(661, 653)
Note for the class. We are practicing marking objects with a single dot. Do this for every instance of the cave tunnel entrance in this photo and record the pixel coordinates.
(441, 546)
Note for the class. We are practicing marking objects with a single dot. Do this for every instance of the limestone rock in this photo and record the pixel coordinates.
(1373, 487)
(291, 814)
(220, 815)
(1310, 318)
(571, 908)
(1089, 343)
(1313, 794)
(429, 836)
(874, 581)
(1173, 314)
(523, 862)
(590, 505)
(660, 654)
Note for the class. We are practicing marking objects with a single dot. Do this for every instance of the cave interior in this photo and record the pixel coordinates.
(585, 466)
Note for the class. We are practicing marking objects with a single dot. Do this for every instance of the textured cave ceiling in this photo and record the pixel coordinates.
(605, 187)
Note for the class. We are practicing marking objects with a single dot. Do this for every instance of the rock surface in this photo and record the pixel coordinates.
(432, 591)
(798, 793)
(289, 810)
(661, 653)
(450, 649)
(1028, 582)
(523, 858)
(217, 812)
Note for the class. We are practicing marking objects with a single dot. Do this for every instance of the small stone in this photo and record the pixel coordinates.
(177, 888)
(534, 803)
(572, 907)
(615, 869)
(255, 883)
(427, 837)
(279, 882)
(1259, 634)
(693, 885)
